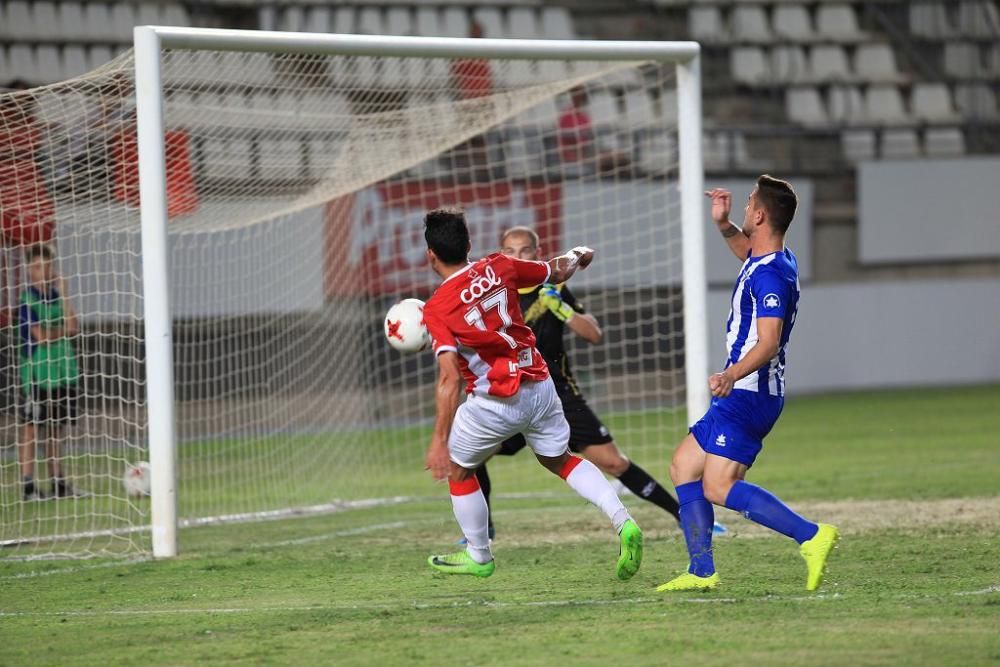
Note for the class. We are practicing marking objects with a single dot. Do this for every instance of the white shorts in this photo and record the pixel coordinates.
(482, 423)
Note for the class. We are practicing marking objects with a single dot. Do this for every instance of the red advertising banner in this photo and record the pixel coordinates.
(374, 237)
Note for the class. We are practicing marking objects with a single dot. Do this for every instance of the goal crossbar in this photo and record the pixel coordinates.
(150, 41)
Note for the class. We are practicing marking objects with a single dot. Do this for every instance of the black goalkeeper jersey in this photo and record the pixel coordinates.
(549, 335)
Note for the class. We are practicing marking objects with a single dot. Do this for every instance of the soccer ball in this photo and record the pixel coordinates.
(136, 479)
(404, 326)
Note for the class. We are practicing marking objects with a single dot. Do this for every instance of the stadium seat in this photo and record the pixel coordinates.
(858, 145)
(845, 105)
(838, 23)
(98, 55)
(705, 24)
(976, 101)
(931, 102)
(491, 21)
(749, 24)
(522, 23)
(603, 110)
(551, 70)
(900, 144)
(45, 20)
(961, 60)
(370, 21)
(805, 106)
(557, 23)
(147, 13)
(829, 64)
(748, 65)
(454, 23)
(293, 18)
(788, 64)
(175, 14)
(428, 22)
(791, 22)
(74, 61)
(944, 142)
(225, 157)
(876, 63)
(343, 20)
(267, 17)
(979, 18)
(122, 20)
(931, 19)
(49, 64)
(18, 20)
(280, 159)
(657, 152)
(318, 20)
(97, 22)
(884, 105)
(639, 109)
(399, 21)
(21, 59)
(70, 22)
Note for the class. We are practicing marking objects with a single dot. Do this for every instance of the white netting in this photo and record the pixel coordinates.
(296, 188)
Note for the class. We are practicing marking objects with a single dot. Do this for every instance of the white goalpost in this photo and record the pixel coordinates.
(258, 208)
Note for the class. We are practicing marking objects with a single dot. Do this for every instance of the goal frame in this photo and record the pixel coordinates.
(149, 42)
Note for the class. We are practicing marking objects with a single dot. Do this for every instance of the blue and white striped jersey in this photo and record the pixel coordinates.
(768, 286)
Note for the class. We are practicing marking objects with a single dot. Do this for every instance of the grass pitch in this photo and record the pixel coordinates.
(910, 477)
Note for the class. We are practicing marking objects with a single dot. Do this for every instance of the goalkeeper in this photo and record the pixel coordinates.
(548, 309)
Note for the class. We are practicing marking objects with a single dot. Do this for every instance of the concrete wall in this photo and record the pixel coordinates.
(889, 334)
(929, 210)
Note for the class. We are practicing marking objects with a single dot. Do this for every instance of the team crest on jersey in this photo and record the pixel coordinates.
(772, 301)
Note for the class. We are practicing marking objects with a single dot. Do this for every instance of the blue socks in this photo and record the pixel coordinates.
(761, 506)
(697, 517)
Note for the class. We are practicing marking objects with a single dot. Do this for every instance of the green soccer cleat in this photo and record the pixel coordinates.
(816, 551)
(630, 554)
(461, 562)
(690, 582)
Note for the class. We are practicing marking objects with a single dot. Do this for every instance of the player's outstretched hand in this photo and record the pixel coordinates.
(584, 255)
(720, 384)
(438, 462)
(722, 204)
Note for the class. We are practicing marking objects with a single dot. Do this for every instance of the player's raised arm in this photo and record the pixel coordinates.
(561, 268)
(722, 204)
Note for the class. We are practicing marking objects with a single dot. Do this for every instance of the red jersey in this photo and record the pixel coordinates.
(477, 313)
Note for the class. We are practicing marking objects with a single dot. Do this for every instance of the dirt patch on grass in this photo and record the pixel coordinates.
(581, 523)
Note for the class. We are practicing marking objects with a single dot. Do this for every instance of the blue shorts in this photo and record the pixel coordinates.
(735, 426)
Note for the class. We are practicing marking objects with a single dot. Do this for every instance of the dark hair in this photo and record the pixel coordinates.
(33, 252)
(779, 200)
(447, 235)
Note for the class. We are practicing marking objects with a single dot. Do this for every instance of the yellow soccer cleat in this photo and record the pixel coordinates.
(690, 582)
(816, 551)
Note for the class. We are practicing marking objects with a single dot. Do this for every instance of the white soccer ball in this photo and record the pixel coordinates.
(404, 326)
(136, 479)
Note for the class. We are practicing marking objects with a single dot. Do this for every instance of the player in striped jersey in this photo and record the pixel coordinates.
(711, 463)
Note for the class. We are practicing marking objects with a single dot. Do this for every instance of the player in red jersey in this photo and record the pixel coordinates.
(482, 343)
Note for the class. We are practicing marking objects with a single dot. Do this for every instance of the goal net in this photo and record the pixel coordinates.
(295, 187)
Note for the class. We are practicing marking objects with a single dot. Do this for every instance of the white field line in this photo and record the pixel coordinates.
(474, 604)
(245, 517)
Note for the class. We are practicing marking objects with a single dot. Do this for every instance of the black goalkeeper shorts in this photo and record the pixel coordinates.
(585, 429)
(49, 407)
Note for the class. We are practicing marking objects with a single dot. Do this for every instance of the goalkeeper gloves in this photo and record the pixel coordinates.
(551, 299)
